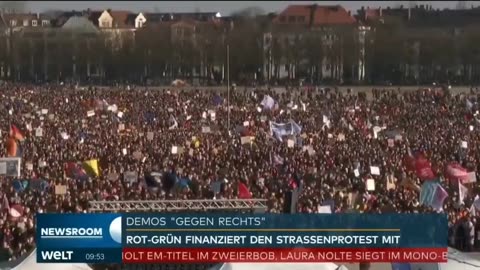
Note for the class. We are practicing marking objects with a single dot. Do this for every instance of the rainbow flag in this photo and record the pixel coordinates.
(16, 133)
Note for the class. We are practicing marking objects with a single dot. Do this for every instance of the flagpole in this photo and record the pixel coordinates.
(228, 87)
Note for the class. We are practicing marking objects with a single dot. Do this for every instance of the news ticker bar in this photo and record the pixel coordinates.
(240, 231)
(238, 255)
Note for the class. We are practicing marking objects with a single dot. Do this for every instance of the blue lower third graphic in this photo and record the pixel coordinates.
(79, 238)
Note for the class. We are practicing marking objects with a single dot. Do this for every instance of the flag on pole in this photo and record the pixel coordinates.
(91, 167)
(243, 191)
(16, 133)
(456, 172)
(462, 192)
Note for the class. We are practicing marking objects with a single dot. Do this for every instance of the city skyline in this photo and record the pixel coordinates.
(226, 8)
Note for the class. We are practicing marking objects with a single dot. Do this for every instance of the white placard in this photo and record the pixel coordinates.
(290, 143)
(124, 151)
(464, 144)
(471, 178)
(245, 140)
(60, 189)
(150, 136)
(44, 111)
(174, 150)
(137, 155)
(120, 114)
(374, 170)
(370, 184)
(246, 124)
(39, 132)
(90, 113)
(206, 130)
(324, 209)
(121, 127)
(356, 172)
(130, 176)
(64, 135)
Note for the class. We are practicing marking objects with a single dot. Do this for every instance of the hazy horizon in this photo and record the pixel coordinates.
(225, 8)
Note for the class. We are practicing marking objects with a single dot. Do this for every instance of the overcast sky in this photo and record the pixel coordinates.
(224, 8)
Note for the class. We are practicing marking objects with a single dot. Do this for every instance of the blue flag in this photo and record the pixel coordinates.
(20, 185)
(284, 129)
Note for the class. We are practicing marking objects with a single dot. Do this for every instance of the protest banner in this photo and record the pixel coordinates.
(10, 166)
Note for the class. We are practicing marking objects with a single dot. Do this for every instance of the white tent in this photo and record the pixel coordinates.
(279, 266)
(30, 263)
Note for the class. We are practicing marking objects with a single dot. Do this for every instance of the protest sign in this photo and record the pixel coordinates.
(150, 136)
(324, 209)
(471, 178)
(60, 189)
(10, 166)
(374, 170)
(290, 143)
(130, 176)
(370, 184)
(39, 132)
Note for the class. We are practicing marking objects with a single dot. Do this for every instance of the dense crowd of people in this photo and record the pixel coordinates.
(185, 133)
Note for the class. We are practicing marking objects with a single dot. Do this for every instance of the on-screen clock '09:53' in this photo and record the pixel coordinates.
(95, 257)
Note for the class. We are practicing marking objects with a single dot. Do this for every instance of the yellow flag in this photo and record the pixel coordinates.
(91, 167)
(197, 143)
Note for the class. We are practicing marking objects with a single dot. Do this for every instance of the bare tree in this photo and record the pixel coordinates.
(13, 6)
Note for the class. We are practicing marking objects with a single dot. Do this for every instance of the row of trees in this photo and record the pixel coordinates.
(387, 53)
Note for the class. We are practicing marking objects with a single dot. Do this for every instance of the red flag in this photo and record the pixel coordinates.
(11, 146)
(423, 169)
(456, 172)
(15, 133)
(243, 191)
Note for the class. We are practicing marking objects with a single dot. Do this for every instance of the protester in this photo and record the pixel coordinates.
(368, 153)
